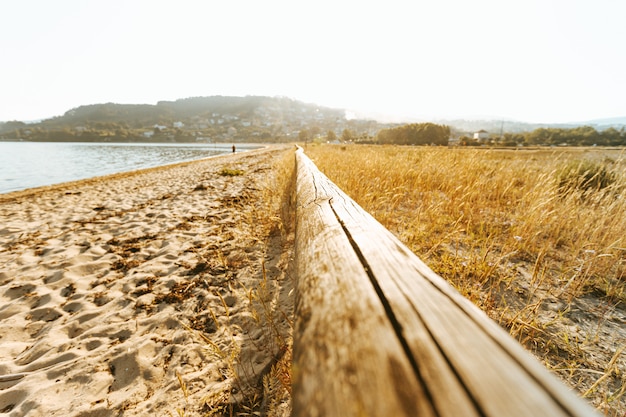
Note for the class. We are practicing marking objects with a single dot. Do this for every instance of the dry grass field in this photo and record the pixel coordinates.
(534, 237)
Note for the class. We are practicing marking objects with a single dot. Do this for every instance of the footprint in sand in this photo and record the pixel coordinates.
(74, 330)
(39, 301)
(73, 307)
(93, 344)
(18, 291)
(100, 299)
(10, 400)
(54, 277)
(124, 369)
(44, 314)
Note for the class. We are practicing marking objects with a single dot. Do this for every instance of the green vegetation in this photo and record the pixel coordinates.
(230, 172)
(586, 176)
(578, 136)
(415, 134)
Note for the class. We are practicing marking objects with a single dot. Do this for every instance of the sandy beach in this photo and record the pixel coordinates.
(162, 292)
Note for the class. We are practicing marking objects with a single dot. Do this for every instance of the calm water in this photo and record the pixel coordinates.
(28, 164)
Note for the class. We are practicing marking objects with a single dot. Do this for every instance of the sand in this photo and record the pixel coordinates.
(162, 292)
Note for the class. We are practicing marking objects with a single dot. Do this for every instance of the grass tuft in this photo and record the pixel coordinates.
(585, 176)
(230, 172)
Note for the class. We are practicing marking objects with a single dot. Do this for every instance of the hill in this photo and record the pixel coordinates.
(205, 119)
(611, 121)
(189, 110)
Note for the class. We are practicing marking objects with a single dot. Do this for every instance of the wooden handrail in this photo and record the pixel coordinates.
(378, 333)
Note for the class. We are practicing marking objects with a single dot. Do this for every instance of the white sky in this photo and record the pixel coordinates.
(532, 60)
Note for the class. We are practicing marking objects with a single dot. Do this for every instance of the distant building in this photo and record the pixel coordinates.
(481, 135)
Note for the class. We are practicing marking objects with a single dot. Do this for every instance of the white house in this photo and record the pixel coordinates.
(481, 135)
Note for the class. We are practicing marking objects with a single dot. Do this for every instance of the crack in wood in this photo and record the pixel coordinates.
(397, 327)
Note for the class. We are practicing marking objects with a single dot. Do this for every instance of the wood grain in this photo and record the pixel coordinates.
(378, 333)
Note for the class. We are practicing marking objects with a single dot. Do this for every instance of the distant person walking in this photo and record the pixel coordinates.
(234, 149)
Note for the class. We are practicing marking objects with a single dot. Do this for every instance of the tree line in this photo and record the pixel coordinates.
(415, 134)
(578, 136)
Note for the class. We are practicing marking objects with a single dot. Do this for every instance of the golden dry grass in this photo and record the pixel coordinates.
(548, 265)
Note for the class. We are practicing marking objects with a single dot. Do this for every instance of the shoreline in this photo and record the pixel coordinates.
(145, 292)
(132, 171)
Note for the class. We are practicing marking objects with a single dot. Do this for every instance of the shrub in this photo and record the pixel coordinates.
(230, 172)
(584, 176)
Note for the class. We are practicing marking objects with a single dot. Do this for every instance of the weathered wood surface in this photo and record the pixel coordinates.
(378, 333)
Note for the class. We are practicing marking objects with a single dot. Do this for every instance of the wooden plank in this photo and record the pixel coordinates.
(459, 363)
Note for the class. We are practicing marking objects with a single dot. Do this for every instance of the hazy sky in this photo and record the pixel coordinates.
(532, 60)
